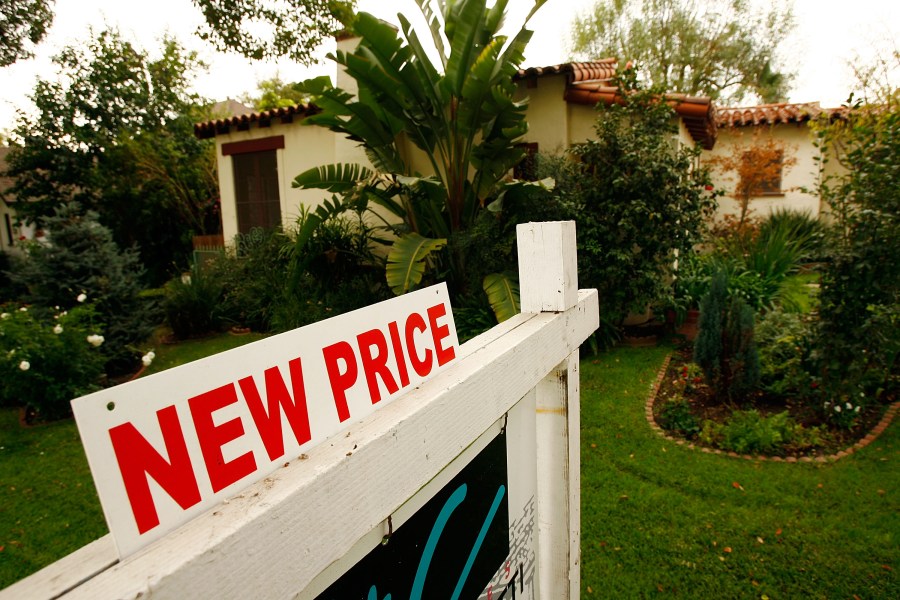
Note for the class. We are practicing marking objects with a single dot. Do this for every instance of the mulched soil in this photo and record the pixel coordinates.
(705, 406)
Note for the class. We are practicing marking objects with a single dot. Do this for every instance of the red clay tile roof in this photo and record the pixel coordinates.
(774, 114)
(243, 122)
(577, 71)
(586, 83)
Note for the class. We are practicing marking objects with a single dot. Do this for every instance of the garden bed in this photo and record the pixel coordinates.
(813, 436)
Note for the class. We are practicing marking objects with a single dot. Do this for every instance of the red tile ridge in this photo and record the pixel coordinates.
(774, 114)
(213, 127)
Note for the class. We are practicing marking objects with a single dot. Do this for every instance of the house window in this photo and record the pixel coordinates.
(256, 190)
(761, 172)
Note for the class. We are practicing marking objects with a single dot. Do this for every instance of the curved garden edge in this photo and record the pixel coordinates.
(865, 441)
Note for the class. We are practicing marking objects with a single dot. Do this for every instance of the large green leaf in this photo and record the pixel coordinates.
(337, 178)
(502, 290)
(408, 259)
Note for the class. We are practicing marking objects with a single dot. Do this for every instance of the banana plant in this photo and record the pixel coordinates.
(460, 111)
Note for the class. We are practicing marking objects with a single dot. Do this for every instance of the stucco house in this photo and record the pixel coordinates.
(259, 154)
(789, 125)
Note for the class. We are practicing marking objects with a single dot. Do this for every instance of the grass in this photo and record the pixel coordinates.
(657, 519)
(660, 519)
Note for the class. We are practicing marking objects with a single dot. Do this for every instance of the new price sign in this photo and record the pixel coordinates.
(167, 447)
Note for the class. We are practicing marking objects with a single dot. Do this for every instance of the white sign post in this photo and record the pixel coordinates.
(474, 471)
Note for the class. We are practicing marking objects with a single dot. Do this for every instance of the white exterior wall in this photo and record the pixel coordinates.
(555, 124)
(798, 183)
(304, 147)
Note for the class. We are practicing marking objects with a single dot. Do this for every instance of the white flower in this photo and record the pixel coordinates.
(58, 329)
(837, 408)
(81, 297)
(11, 352)
(151, 354)
(147, 359)
(95, 340)
(849, 406)
(4, 316)
(24, 365)
(23, 309)
(857, 409)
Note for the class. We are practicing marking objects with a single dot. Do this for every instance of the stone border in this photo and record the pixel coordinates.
(868, 439)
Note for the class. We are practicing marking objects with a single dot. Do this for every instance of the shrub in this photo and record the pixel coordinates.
(725, 348)
(784, 343)
(192, 303)
(859, 332)
(676, 415)
(49, 358)
(253, 276)
(749, 432)
(81, 257)
(274, 283)
(639, 202)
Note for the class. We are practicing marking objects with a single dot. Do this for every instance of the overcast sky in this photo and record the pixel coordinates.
(829, 33)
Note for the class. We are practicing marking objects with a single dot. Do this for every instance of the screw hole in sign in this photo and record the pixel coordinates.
(111, 406)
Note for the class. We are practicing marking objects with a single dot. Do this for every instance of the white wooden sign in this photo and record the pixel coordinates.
(167, 447)
(472, 477)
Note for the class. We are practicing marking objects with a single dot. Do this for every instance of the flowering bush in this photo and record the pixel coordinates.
(842, 412)
(47, 358)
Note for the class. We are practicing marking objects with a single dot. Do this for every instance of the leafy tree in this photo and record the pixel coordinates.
(23, 23)
(259, 29)
(460, 115)
(274, 93)
(638, 201)
(724, 49)
(113, 132)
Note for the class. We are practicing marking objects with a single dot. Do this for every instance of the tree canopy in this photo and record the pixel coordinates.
(274, 93)
(258, 29)
(23, 23)
(113, 130)
(724, 49)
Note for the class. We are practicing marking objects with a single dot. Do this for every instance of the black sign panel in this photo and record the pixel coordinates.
(451, 548)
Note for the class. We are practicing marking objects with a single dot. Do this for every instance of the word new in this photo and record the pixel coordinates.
(382, 359)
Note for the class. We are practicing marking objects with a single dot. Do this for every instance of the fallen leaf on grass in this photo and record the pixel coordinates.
(737, 486)
(760, 540)
(886, 567)
(590, 591)
(727, 549)
(778, 531)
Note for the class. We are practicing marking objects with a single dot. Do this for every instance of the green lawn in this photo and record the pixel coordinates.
(657, 519)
